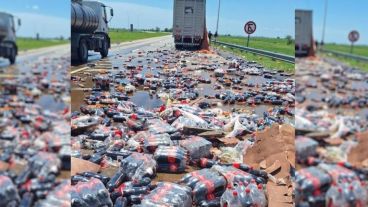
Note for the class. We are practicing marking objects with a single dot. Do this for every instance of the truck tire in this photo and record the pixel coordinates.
(83, 51)
(105, 49)
(13, 55)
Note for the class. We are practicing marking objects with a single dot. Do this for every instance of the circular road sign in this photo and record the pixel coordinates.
(354, 36)
(250, 27)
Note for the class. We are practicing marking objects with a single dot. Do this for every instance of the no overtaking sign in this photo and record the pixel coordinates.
(250, 27)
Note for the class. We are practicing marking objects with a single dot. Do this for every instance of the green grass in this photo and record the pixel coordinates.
(25, 43)
(358, 49)
(350, 62)
(118, 36)
(271, 44)
(361, 50)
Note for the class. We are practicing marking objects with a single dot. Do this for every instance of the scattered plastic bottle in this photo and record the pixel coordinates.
(335, 197)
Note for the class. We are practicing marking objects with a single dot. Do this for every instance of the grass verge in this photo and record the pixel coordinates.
(358, 49)
(25, 43)
(118, 36)
(278, 45)
(265, 61)
(350, 62)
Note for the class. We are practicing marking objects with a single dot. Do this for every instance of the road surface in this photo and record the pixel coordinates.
(26, 58)
(157, 57)
(123, 49)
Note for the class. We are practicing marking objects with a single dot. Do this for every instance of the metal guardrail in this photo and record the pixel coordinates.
(273, 55)
(346, 55)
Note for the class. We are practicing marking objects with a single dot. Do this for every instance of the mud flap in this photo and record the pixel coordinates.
(205, 45)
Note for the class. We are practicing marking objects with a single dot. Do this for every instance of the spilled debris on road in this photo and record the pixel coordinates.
(35, 134)
(166, 127)
(331, 122)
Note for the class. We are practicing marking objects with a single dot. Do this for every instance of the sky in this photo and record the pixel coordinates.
(342, 17)
(272, 19)
(49, 18)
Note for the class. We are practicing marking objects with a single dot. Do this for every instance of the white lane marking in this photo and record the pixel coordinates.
(9, 76)
(80, 69)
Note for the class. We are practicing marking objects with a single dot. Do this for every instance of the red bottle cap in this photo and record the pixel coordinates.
(134, 116)
(236, 165)
(247, 190)
(235, 193)
(341, 164)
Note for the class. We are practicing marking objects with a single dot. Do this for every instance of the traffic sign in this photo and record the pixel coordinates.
(250, 27)
(353, 36)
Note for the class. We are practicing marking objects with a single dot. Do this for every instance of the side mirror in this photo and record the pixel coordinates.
(19, 22)
(111, 12)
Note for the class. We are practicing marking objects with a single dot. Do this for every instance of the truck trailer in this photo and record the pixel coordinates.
(189, 23)
(8, 46)
(89, 29)
(303, 33)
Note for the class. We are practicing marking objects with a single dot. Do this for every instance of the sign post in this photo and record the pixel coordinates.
(249, 28)
(353, 37)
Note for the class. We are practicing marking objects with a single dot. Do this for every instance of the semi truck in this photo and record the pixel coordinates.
(8, 45)
(304, 44)
(189, 23)
(89, 29)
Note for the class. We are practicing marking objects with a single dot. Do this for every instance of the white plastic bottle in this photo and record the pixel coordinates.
(335, 197)
(360, 193)
(235, 200)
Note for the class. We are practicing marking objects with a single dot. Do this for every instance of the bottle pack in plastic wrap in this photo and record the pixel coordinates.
(250, 194)
(157, 126)
(346, 187)
(138, 165)
(305, 147)
(168, 194)
(149, 141)
(233, 175)
(44, 163)
(196, 146)
(206, 184)
(182, 122)
(335, 196)
(346, 194)
(102, 81)
(8, 192)
(171, 159)
(339, 173)
(311, 181)
(59, 196)
(90, 194)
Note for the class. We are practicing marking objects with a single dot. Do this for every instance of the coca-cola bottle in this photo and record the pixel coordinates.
(335, 196)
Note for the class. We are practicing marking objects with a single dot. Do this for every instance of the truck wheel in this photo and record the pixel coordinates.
(83, 51)
(13, 55)
(105, 49)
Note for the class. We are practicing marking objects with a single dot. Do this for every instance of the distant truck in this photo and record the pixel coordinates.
(303, 33)
(189, 23)
(8, 45)
(89, 29)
